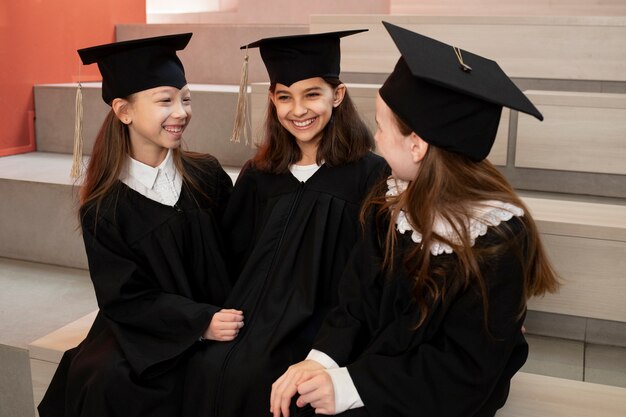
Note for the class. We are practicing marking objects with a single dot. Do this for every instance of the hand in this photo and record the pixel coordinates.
(316, 388)
(224, 325)
(285, 387)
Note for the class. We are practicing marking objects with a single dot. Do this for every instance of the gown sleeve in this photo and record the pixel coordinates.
(150, 325)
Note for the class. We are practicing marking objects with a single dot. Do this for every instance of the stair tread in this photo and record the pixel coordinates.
(37, 299)
(52, 168)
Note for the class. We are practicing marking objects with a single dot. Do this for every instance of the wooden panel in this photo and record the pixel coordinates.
(51, 347)
(543, 396)
(364, 96)
(41, 374)
(593, 274)
(581, 132)
(586, 242)
(571, 48)
(578, 218)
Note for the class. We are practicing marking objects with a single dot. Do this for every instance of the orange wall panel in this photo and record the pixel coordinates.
(38, 42)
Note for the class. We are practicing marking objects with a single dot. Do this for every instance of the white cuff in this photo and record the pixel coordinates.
(325, 360)
(346, 395)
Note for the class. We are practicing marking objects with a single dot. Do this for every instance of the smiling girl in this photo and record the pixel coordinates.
(434, 297)
(291, 223)
(150, 216)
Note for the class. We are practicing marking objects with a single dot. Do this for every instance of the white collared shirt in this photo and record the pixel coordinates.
(161, 184)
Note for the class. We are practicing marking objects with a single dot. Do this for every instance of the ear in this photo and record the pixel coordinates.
(270, 95)
(121, 109)
(339, 94)
(418, 147)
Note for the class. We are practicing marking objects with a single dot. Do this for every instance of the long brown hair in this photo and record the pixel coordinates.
(346, 138)
(449, 185)
(110, 150)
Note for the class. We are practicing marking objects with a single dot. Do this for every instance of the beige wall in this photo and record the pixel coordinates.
(509, 7)
(276, 12)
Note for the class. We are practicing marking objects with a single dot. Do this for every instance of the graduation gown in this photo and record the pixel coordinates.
(289, 243)
(450, 366)
(159, 276)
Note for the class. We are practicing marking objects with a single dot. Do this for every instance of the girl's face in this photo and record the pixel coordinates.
(305, 108)
(156, 119)
(402, 152)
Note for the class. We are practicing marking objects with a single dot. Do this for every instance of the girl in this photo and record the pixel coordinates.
(150, 217)
(434, 298)
(291, 222)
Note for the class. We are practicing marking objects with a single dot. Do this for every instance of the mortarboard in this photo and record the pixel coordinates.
(131, 66)
(451, 98)
(289, 59)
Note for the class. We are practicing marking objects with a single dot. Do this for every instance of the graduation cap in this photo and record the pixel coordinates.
(451, 98)
(136, 65)
(289, 59)
(129, 67)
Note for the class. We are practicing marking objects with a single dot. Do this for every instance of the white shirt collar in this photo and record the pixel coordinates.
(147, 175)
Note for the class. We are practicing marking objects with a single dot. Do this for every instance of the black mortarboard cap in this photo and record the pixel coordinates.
(451, 98)
(289, 59)
(131, 66)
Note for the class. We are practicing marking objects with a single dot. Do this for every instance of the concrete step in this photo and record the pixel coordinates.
(209, 131)
(35, 300)
(213, 55)
(38, 209)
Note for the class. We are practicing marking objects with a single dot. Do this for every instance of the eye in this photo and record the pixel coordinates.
(187, 100)
(312, 94)
(165, 100)
(282, 97)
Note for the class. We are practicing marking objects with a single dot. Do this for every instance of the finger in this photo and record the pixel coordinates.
(228, 333)
(227, 317)
(231, 310)
(229, 325)
(282, 391)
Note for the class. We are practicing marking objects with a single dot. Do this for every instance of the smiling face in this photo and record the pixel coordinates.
(306, 107)
(403, 152)
(156, 119)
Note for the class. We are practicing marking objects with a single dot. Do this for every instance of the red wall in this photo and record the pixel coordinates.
(38, 42)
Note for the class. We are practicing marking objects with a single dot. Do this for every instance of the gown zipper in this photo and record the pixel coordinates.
(248, 326)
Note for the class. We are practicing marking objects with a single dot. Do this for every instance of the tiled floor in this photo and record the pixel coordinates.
(576, 360)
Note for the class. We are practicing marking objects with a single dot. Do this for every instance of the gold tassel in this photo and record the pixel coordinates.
(77, 160)
(241, 120)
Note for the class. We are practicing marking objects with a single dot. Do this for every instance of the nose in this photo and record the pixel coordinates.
(179, 111)
(299, 109)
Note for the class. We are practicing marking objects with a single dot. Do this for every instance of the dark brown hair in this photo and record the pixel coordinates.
(346, 138)
(449, 185)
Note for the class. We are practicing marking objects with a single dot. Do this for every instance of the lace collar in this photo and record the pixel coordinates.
(485, 214)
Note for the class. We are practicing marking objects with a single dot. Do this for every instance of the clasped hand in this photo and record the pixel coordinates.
(224, 325)
(309, 379)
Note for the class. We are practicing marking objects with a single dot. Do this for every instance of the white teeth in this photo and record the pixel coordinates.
(304, 123)
(174, 129)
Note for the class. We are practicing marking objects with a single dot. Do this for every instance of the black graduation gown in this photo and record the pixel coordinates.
(159, 276)
(290, 241)
(448, 367)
